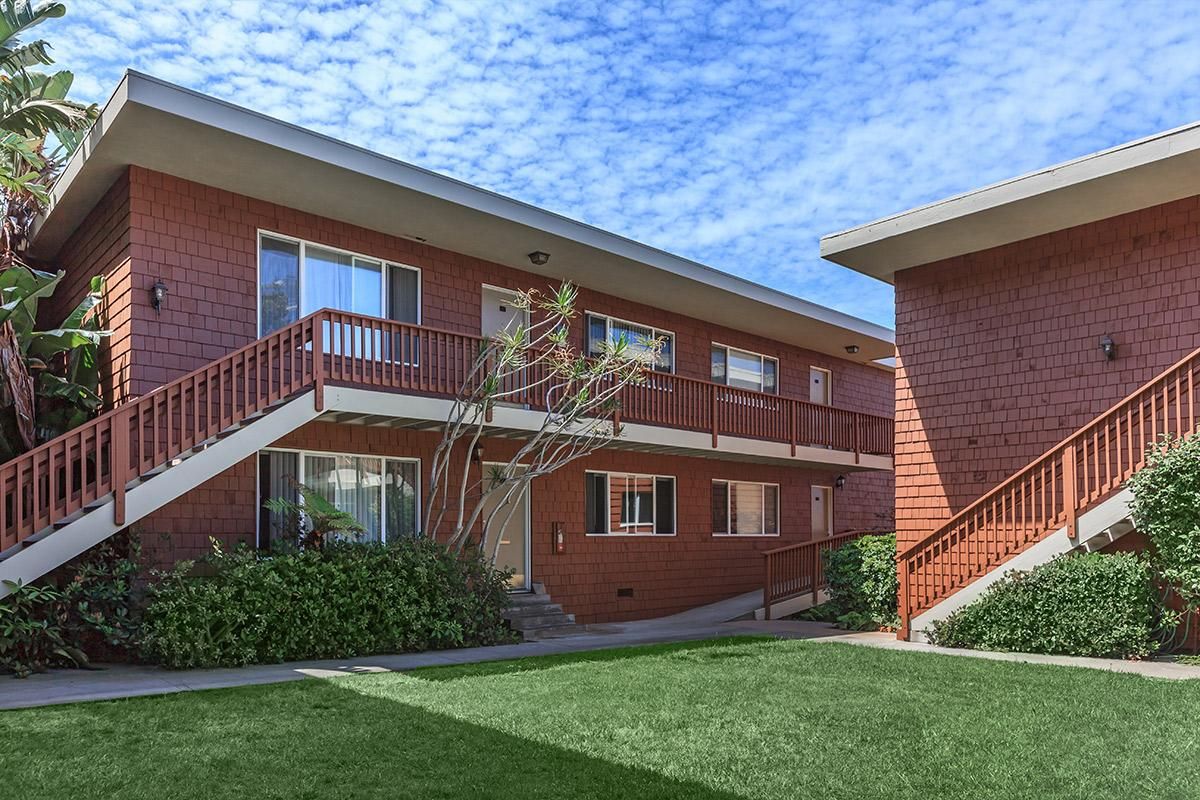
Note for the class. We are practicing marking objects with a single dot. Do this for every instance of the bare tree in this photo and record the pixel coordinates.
(532, 365)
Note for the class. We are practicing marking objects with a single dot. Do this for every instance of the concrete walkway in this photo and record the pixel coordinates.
(125, 680)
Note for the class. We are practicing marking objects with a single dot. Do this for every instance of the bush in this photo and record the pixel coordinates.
(862, 582)
(87, 610)
(1080, 605)
(343, 600)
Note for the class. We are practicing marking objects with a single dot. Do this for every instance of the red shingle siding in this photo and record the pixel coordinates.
(999, 350)
(202, 242)
(667, 573)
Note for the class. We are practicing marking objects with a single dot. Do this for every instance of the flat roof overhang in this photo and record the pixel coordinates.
(1129, 177)
(163, 127)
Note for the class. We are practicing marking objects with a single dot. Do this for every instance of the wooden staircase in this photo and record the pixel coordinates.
(1072, 492)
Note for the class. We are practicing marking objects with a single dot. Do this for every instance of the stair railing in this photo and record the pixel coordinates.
(799, 569)
(1050, 492)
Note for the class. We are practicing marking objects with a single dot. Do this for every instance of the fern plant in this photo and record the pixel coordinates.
(313, 518)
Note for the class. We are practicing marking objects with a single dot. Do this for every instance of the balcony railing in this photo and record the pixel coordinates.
(377, 353)
(66, 475)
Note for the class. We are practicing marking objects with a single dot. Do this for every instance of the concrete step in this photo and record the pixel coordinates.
(554, 632)
(540, 621)
(532, 610)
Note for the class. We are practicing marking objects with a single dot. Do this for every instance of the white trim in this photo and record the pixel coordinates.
(609, 532)
(301, 477)
(609, 319)
(384, 277)
(763, 510)
(488, 287)
(762, 367)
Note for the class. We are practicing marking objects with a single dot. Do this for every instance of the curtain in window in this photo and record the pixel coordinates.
(402, 294)
(352, 484)
(720, 507)
(401, 486)
(279, 283)
(747, 508)
(277, 475)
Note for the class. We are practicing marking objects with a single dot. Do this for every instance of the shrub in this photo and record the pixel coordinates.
(88, 610)
(344, 600)
(862, 581)
(1166, 508)
(1081, 605)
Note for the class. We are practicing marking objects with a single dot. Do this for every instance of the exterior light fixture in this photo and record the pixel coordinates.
(840, 481)
(538, 258)
(851, 349)
(158, 293)
(1108, 347)
(477, 453)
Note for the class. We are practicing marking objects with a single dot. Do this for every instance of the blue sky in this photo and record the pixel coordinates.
(734, 133)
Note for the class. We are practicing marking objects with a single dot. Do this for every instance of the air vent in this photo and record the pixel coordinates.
(626, 592)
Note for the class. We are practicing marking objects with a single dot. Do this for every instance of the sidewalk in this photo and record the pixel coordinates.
(125, 680)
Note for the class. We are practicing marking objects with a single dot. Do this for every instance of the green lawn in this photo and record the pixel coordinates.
(725, 719)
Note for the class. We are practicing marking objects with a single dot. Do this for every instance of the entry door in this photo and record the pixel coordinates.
(499, 312)
(514, 536)
(822, 512)
(818, 386)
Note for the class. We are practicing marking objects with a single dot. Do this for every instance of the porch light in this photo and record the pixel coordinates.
(158, 293)
(1108, 347)
(538, 258)
(839, 482)
(477, 453)
(851, 349)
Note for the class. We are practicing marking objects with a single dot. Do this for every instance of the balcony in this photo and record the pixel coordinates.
(367, 359)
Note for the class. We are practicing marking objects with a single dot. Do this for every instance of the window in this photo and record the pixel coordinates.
(381, 493)
(744, 369)
(298, 278)
(740, 508)
(625, 503)
(601, 329)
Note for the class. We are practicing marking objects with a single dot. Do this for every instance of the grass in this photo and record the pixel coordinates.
(714, 720)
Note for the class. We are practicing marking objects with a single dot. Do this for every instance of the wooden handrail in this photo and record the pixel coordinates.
(799, 569)
(1050, 492)
(59, 478)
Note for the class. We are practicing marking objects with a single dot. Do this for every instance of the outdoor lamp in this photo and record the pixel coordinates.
(157, 293)
(851, 349)
(538, 258)
(1108, 347)
(840, 481)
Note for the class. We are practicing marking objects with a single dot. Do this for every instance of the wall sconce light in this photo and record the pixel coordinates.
(851, 349)
(538, 258)
(477, 453)
(1108, 347)
(158, 293)
(839, 482)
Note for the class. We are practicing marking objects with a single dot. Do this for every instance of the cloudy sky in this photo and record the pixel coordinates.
(734, 133)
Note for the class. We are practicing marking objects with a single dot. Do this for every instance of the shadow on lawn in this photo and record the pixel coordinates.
(700, 649)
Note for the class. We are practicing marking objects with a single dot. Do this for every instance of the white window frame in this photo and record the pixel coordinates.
(609, 319)
(303, 244)
(301, 477)
(654, 509)
(761, 370)
(729, 483)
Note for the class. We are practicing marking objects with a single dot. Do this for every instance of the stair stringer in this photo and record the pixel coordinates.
(147, 496)
(1098, 527)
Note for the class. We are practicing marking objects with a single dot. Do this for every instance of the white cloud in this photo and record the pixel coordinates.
(735, 133)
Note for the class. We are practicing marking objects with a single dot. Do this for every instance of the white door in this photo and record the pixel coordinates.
(514, 536)
(822, 512)
(499, 312)
(818, 386)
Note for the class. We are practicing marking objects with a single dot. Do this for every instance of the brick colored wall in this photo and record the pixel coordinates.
(666, 573)
(999, 355)
(202, 242)
(100, 246)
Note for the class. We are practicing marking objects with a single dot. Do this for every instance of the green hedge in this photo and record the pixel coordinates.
(1081, 605)
(346, 600)
(862, 581)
